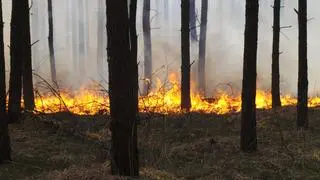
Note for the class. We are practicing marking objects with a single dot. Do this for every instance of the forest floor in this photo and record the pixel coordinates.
(63, 146)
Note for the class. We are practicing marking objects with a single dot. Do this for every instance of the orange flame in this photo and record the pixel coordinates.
(162, 99)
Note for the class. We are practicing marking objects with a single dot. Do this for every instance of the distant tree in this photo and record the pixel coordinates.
(248, 107)
(35, 30)
(75, 41)
(123, 86)
(185, 56)
(193, 21)
(202, 48)
(5, 147)
(82, 38)
(50, 43)
(302, 105)
(100, 37)
(275, 85)
(147, 46)
(166, 10)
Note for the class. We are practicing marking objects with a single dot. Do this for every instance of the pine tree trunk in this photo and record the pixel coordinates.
(35, 31)
(248, 107)
(185, 54)
(100, 38)
(5, 147)
(193, 21)
(202, 48)
(27, 78)
(51, 45)
(147, 46)
(82, 41)
(302, 106)
(123, 86)
(15, 82)
(275, 84)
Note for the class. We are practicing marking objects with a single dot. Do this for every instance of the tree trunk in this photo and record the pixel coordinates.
(27, 78)
(275, 89)
(15, 82)
(35, 31)
(193, 21)
(166, 10)
(185, 55)
(248, 107)
(5, 147)
(100, 39)
(202, 48)
(123, 86)
(302, 106)
(147, 47)
(82, 41)
(75, 49)
(50, 43)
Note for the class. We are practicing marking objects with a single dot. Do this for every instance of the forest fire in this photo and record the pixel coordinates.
(160, 100)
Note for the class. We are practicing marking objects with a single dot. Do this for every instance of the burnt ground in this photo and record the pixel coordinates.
(63, 146)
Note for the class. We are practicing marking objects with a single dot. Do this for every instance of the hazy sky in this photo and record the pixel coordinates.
(224, 43)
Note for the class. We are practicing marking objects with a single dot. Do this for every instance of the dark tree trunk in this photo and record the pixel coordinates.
(27, 79)
(15, 82)
(193, 21)
(100, 38)
(248, 107)
(275, 85)
(302, 106)
(202, 48)
(5, 147)
(147, 46)
(185, 55)
(50, 43)
(123, 86)
(82, 41)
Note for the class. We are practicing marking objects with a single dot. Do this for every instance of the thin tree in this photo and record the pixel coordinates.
(123, 86)
(185, 56)
(50, 43)
(35, 31)
(100, 38)
(5, 147)
(275, 84)
(27, 78)
(75, 31)
(248, 107)
(302, 105)
(82, 38)
(147, 46)
(193, 21)
(202, 48)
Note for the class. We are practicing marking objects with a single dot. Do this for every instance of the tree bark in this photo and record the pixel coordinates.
(202, 48)
(5, 147)
(248, 107)
(123, 86)
(51, 45)
(193, 21)
(27, 78)
(302, 105)
(275, 84)
(185, 55)
(147, 46)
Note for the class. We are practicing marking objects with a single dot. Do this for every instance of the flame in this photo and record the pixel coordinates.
(162, 99)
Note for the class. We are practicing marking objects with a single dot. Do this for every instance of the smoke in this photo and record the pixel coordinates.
(224, 42)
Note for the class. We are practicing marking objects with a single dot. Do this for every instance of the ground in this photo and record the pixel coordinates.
(63, 146)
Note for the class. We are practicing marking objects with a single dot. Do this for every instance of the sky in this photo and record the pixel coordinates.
(224, 42)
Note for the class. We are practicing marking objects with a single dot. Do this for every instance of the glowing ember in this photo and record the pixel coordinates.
(160, 100)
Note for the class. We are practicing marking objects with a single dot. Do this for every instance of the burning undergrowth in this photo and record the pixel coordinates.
(164, 98)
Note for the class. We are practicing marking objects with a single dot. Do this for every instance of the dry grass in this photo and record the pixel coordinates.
(194, 146)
